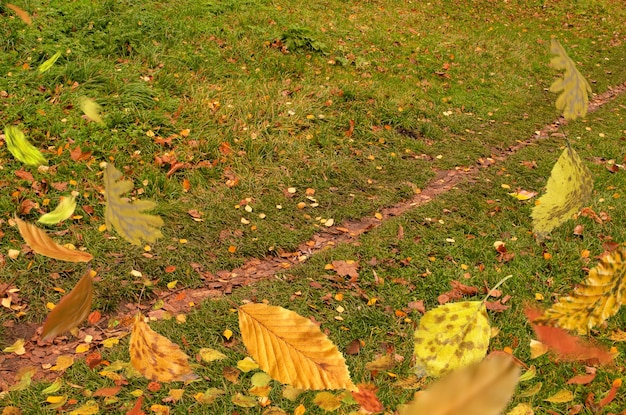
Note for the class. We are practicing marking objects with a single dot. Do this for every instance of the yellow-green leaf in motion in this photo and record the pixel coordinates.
(23, 377)
(291, 349)
(451, 336)
(91, 109)
(480, 389)
(127, 218)
(48, 64)
(569, 186)
(71, 310)
(65, 209)
(54, 387)
(595, 300)
(21, 149)
(574, 100)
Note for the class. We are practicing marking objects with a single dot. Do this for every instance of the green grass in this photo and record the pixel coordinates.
(428, 86)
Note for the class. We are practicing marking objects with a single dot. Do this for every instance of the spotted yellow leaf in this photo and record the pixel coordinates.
(48, 64)
(127, 218)
(291, 349)
(71, 310)
(65, 209)
(21, 149)
(156, 357)
(595, 300)
(327, 401)
(91, 109)
(42, 244)
(574, 100)
(451, 336)
(484, 388)
(569, 186)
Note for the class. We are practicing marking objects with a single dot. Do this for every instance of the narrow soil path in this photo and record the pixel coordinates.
(43, 354)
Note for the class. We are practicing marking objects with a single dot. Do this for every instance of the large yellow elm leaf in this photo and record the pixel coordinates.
(569, 186)
(42, 244)
(291, 349)
(71, 310)
(124, 216)
(574, 100)
(65, 209)
(21, 149)
(595, 300)
(481, 389)
(156, 357)
(451, 336)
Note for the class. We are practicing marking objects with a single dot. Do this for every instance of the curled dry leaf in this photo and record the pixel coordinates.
(481, 389)
(156, 357)
(42, 244)
(291, 349)
(71, 310)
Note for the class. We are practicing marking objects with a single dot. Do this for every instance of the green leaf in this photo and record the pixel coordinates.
(569, 186)
(124, 216)
(48, 64)
(574, 99)
(91, 109)
(21, 149)
(64, 210)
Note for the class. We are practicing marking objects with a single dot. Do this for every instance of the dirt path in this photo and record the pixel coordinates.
(221, 283)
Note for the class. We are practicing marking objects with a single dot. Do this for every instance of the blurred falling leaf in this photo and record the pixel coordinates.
(561, 396)
(451, 336)
(327, 401)
(21, 149)
(65, 209)
(595, 300)
(48, 64)
(71, 310)
(17, 347)
(480, 389)
(42, 244)
(126, 217)
(574, 99)
(21, 13)
(569, 186)
(291, 349)
(91, 109)
(155, 357)
(54, 387)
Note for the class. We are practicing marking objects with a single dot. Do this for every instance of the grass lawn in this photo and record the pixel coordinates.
(258, 126)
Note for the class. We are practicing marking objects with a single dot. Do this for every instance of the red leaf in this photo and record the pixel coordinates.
(94, 317)
(136, 410)
(583, 379)
(108, 392)
(566, 346)
(496, 306)
(611, 395)
(93, 359)
(366, 397)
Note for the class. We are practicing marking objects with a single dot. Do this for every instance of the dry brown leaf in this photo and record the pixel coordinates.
(291, 349)
(481, 389)
(42, 244)
(71, 310)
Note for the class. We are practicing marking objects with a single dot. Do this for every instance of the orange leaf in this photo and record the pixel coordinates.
(42, 244)
(107, 392)
(617, 383)
(71, 310)
(136, 409)
(366, 397)
(21, 13)
(94, 317)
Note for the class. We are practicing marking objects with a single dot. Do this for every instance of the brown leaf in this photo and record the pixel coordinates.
(42, 244)
(457, 292)
(346, 269)
(108, 391)
(417, 306)
(496, 306)
(24, 175)
(78, 155)
(71, 310)
(583, 379)
(354, 347)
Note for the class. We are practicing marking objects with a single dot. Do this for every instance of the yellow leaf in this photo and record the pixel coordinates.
(82, 348)
(71, 310)
(522, 409)
(244, 401)
(529, 374)
(291, 393)
(537, 349)
(561, 396)
(127, 218)
(23, 378)
(618, 336)
(89, 408)
(17, 347)
(481, 389)
(42, 244)
(65, 209)
(569, 186)
(209, 396)
(48, 64)
(531, 391)
(574, 99)
(228, 334)
(209, 355)
(54, 387)
(91, 109)
(155, 357)
(291, 349)
(63, 362)
(174, 395)
(21, 149)
(21, 13)
(160, 409)
(523, 194)
(110, 342)
(451, 336)
(327, 401)
(300, 410)
(56, 402)
(593, 301)
(260, 379)
(247, 364)
(260, 391)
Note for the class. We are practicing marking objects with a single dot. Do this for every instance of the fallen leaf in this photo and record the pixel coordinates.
(347, 268)
(244, 401)
(42, 244)
(366, 397)
(521, 409)
(63, 362)
(583, 379)
(209, 396)
(327, 401)
(561, 396)
(209, 355)
(107, 391)
(617, 383)
(523, 194)
(17, 347)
